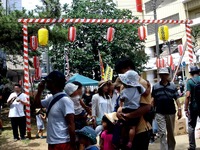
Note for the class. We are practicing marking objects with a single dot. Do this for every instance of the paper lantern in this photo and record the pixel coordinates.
(43, 36)
(180, 49)
(173, 67)
(72, 34)
(163, 32)
(139, 5)
(36, 62)
(142, 33)
(33, 43)
(162, 63)
(157, 62)
(170, 60)
(110, 34)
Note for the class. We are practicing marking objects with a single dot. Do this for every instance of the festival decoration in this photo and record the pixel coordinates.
(34, 43)
(170, 60)
(110, 34)
(139, 5)
(162, 63)
(180, 49)
(163, 32)
(157, 62)
(43, 36)
(72, 34)
(142, 33)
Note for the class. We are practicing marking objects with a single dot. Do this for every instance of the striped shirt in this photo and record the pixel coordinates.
(164, 96)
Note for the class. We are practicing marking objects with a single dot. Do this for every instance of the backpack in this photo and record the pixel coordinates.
(196, 96)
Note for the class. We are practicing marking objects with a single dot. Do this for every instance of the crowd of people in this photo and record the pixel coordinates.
(120, 113)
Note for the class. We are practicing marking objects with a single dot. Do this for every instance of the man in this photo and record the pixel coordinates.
(164, 93)
(191, 108)
(141, 139)
(17, 100)
(60, 126)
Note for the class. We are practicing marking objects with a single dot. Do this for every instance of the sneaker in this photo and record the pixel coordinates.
(37, 136)
(24, 138)
(42, 137)
(15, 140)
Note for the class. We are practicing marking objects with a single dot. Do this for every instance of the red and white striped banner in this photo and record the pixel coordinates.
(105, 21)
(189, 43)
(26, 76)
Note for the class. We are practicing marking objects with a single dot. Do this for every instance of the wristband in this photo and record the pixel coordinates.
(179, 108)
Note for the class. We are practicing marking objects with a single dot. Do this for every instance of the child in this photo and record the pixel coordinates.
(87, 137)
(74, 93)
(40, 116)
(130, 100)
(108, 122)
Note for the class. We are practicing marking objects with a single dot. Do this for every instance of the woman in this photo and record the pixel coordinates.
(101, 103)
(113, 93)
(87, 96)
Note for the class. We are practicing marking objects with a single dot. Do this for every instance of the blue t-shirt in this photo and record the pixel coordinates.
(131, 97)
(57, 127)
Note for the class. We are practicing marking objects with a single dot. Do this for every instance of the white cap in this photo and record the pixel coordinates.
(70, 88)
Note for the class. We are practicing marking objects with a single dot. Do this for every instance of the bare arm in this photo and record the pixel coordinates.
(37, 99)
(88, 110)
(187, 100)
(71, 128)
(148, 89)
(179, 109)
(143, 109)
(24, 103)
(101, 143)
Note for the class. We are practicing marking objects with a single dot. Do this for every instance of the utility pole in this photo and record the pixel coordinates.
(156, 32)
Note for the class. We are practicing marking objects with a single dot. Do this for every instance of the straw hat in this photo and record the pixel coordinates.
(101, 83)
(37, 110)
(112, 117)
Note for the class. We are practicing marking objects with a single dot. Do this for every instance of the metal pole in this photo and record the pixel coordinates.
(156, 34)
(48, 62)
(169, 46)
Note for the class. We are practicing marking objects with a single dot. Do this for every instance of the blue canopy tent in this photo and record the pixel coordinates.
(85, 81)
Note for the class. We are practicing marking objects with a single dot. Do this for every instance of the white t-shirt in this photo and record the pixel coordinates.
(17, 108)
(57, 127)
(131, 97)
(77, 106)
(100, 106)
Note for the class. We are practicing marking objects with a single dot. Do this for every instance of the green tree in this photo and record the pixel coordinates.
(83, 53)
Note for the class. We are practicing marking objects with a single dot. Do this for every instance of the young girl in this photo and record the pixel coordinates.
(130, 101)
(40, 117)
(108, 122)
(87, 137)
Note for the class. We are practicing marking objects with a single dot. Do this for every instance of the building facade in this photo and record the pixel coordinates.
(166, 10)
(10, 5)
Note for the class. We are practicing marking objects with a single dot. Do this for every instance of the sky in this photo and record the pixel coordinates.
(30, 4)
